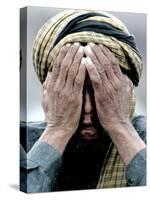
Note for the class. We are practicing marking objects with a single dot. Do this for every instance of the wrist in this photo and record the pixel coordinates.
(126, 139)
(116, 126)
(58, 138)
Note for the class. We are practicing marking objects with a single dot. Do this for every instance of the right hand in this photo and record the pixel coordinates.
(62, 90)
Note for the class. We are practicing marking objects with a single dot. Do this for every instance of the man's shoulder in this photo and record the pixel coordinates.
(34, 124)
(30, 133)
(139, 123)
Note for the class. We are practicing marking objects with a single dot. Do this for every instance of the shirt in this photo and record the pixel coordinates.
(40, 166)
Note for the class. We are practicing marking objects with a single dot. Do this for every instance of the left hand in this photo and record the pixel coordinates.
(112, 89)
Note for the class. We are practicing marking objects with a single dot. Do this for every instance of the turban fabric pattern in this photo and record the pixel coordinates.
(101, 28)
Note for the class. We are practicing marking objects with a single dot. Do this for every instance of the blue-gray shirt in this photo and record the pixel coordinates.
(40, 166)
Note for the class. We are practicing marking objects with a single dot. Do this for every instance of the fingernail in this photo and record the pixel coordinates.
(88, 59)
(88, 48)
(83, 60)
(81, 49)
(68, 45)
(76, 43)
(91, 44)
(101, 45)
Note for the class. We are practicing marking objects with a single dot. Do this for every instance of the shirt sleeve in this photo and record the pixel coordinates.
(40, 169)
(136, 169)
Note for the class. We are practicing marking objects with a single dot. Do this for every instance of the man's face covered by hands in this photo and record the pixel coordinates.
(90, 135)
(89, 126)
(86, 92)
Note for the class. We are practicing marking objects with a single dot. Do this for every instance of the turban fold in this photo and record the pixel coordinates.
(86, 26)
(97, 27)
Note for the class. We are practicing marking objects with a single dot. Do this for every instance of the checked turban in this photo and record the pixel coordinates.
(85, 26)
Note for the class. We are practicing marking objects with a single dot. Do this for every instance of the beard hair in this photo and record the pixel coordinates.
(82, 161)
(78, 145)
(82, 158)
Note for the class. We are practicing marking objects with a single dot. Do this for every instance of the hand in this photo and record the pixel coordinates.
(62, 90)
(112, 88)
(113, 94)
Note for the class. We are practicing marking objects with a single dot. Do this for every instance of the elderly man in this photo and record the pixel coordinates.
(88, 65)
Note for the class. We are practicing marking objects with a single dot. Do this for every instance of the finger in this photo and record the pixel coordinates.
(52, 76)
(89, 53)
(74, 68)
(99, 54)
(113, 79)
(80, 78)
(47, 81)
(58, 61)
(93, 73)
(113, 60)
(66, 62)
(45, 100)
(128, 83)
(92, 53)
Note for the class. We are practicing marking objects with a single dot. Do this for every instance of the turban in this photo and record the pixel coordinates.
(85, 26)
(101, 28)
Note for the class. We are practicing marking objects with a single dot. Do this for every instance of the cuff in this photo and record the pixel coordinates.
(45, 156)
(136, 169)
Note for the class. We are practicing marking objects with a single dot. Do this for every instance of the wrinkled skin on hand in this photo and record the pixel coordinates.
(63, 92)
(112, 89)
(62, 89)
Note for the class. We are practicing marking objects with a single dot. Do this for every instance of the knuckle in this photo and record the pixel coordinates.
(71, 98)
(114, 61)
(76, 62)
(101, 71)
(64, 93)
(94, 60)
(70, 54)
(117, 84)
(72, 72)
(96, 48)
(71, 76)
(56, 63)
(79, 54)
(96, 83)
(56, 90)
(64, 65)
(108, 92)
(78, 81)
(117, 81)
(73, 50)
(64, 49)
(106, 65)
(92, 70)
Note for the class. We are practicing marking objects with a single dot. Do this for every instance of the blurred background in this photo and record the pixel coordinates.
(31, 90)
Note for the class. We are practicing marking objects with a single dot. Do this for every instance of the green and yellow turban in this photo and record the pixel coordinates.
(85, 26)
